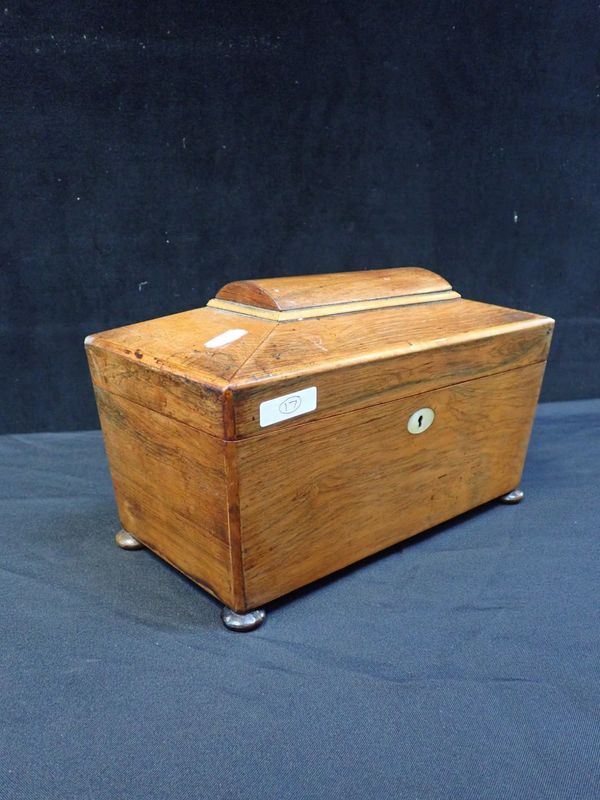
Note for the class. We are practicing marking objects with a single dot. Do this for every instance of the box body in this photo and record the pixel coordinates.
(252, 512)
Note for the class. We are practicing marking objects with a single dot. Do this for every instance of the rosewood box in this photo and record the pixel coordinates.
(296, 425)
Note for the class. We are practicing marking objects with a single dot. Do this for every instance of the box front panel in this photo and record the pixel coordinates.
(171, 489)
(317, 497)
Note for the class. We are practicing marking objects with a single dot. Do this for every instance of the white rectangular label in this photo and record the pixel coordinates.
(287, 406)
(232, 335)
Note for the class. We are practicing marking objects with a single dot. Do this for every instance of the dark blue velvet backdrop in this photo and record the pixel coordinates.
(153, 151)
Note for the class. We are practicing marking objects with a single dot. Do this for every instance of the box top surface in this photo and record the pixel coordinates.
(233, 347)
(324, 291)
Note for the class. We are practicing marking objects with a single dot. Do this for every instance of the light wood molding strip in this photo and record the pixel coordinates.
(333, 308)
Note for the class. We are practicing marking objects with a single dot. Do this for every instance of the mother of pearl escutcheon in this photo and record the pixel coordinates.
(421, 420)
(287, 406)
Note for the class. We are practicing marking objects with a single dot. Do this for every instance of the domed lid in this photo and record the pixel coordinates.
(302, 297)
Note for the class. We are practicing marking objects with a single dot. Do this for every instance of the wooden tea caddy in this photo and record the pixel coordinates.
(296, 425)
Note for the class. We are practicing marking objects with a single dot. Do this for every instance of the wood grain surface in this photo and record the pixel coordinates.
(170, 483)
(354, 359)
(362, 359)
(316, 498)
(285, 294)
(332, 308)
(251, 513)
(165, 365)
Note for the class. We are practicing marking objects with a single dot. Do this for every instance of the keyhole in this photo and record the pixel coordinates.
(420, 420)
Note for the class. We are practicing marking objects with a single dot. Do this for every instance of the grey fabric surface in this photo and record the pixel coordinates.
(464, 664)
